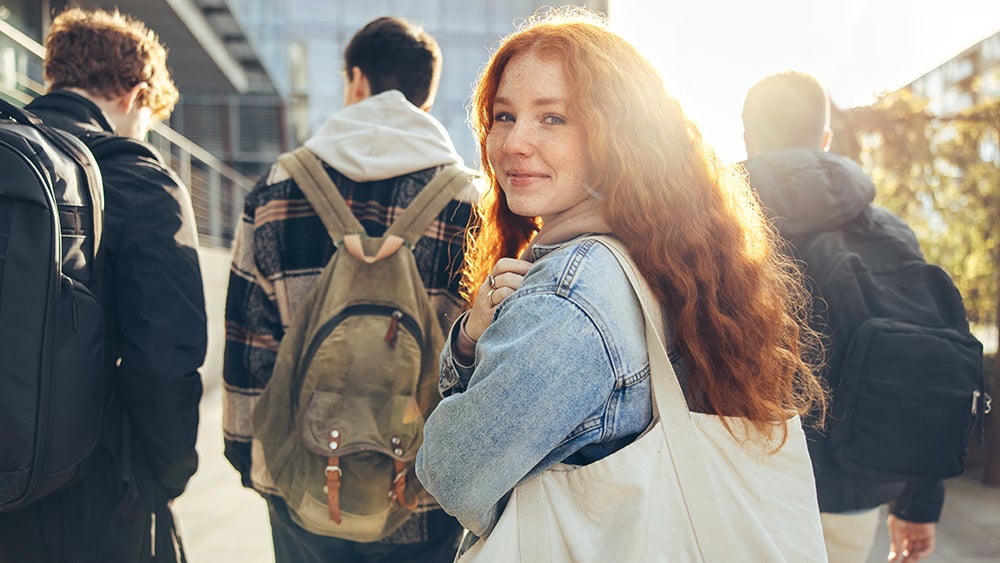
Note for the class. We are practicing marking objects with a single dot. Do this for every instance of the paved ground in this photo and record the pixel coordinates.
(223, 523)
(969, 530)
(220, 521)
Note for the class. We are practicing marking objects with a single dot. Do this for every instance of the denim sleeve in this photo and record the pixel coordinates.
(541, 369)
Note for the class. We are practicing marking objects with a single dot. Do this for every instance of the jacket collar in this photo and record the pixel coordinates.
(536, 252)
(72, 106)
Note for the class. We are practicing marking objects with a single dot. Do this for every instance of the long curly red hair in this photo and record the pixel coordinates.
(694, 227)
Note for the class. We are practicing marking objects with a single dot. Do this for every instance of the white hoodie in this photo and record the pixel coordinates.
(381, 137)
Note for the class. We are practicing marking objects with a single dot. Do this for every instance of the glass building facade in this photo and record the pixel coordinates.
(964, 80)
(968, 79)
(301, 43)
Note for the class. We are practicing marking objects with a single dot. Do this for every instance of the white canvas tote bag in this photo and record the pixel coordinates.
(686, 490)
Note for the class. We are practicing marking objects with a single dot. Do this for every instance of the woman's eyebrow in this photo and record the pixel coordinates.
(537, 102)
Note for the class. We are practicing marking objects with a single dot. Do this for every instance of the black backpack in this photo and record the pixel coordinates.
(904, 369)
(52, 388)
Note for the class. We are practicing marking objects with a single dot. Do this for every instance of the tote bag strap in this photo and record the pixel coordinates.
(700, 500)
(532, 537)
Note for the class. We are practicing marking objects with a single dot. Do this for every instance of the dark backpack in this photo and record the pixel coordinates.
(904, 369)
(338, 425)
(52, 389)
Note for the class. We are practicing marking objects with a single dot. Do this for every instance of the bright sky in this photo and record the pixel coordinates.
(711, 51)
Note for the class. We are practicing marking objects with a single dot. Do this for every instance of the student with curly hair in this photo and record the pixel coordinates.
(108, 84)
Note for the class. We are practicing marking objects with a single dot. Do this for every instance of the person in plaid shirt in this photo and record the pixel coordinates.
(380, 150)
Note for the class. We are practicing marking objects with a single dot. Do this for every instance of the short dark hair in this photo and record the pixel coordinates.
(396, 55)
(788, 109)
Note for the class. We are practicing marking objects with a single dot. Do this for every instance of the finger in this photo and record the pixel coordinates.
(513, 265)
(509, 280)
(896, 550)
(921, 550)
(904, 550)
(495, 296)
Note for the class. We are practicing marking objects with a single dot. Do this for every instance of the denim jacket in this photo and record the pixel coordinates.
(561, 375)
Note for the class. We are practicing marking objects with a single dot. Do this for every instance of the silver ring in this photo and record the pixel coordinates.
(489, 298)
(491, 281)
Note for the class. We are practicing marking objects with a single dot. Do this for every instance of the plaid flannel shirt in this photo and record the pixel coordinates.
(280, 249)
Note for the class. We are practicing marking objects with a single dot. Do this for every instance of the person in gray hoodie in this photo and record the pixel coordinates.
(380, 150)
(807, 190)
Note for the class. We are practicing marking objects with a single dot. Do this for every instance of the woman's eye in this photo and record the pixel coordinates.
(503, 117)
(553, 120)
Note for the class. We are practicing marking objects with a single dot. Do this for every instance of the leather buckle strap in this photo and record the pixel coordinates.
(333, 475)
(399, 487)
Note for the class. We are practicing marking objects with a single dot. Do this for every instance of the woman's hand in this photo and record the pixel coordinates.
(504, 278)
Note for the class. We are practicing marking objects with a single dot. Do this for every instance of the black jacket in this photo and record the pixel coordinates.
(152, 293)
(807, 191)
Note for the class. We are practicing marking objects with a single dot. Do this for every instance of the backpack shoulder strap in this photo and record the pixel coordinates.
(91, 168)
(18, 114)
(445, 185)
(322, 194)
(76, 149)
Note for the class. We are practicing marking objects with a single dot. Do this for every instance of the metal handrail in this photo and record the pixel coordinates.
(23, 40)
(215, 226)
(195, 150)
(174, 137)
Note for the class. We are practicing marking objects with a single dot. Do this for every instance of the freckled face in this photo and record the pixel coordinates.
(536, 147)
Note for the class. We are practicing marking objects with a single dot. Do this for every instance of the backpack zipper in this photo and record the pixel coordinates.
(977, 397)
(390, 334)
(73, 306)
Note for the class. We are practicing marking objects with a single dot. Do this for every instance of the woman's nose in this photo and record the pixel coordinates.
(519, 140)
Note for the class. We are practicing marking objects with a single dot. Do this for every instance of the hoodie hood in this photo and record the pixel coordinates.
(382, 137)
(809, 190)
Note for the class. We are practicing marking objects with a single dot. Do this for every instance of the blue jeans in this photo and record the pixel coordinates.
(292, 544)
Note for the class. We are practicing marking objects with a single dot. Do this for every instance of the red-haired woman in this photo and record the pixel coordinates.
(550, 364)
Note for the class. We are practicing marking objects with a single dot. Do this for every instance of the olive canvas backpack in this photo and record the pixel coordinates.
(338, 425)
